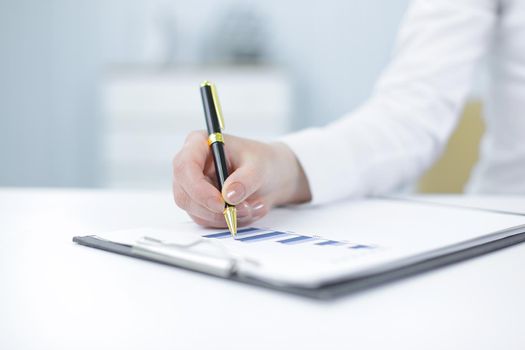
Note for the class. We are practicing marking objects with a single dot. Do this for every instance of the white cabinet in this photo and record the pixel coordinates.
(148, 113)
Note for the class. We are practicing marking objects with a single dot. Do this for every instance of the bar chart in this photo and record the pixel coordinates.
(253, 235)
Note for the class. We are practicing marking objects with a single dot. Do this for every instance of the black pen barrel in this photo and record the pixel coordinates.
(210, 110)
(219, 158)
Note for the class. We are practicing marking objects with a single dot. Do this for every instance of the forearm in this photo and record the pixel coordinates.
(402, 128)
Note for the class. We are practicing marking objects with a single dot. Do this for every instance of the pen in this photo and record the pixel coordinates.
(215, 125)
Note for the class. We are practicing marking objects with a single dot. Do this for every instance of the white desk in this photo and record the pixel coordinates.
(55, 294)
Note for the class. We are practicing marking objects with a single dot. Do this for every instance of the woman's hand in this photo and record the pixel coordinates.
(262, 175)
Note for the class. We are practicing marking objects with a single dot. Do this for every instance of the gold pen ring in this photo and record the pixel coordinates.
(215, 137)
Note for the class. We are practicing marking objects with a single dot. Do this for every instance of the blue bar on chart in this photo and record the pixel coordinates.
(330, 242)
(262, 236)
(360, 246)
(254, 234)
(227, 234)
(297, 239)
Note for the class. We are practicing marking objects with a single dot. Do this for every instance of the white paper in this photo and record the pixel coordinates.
(367, 234)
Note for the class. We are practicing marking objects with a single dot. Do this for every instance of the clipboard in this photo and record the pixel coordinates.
(223, 265)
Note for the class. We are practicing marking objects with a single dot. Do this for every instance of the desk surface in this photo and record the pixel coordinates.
(55, 294)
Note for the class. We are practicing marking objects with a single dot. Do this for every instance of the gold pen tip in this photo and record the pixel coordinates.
(230, 215)
(206, 83)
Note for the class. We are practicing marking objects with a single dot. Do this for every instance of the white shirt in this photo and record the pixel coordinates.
(399, 132)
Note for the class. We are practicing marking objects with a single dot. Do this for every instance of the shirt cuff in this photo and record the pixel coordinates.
(320, 155)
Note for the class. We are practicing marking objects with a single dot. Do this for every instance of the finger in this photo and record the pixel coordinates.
(244, 216)
(259, 207)
(242, 183)
(188, 174)
(199, 189)
(207, 223)
(196, 144)
(184, 201)
(219, 223)
(251, 214)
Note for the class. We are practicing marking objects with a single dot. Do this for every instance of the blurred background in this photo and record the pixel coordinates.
(101, 93)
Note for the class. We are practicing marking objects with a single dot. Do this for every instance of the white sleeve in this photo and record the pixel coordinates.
(395, 135)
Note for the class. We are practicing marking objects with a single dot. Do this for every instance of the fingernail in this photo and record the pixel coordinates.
(215, 205)
(244, 221)
(258, 210)
(243, 210)
(235, 193)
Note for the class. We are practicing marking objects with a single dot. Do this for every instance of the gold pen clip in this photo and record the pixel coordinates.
(218, 108)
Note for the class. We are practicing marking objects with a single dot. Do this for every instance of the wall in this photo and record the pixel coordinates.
(53, 54)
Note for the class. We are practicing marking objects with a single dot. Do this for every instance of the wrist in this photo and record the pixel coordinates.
(292, 183)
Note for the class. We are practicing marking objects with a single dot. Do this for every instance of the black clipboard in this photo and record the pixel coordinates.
(338, 288)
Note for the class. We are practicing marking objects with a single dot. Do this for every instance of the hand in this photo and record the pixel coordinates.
(262, 175)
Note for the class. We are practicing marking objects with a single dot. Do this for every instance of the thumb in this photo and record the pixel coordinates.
(241, 184)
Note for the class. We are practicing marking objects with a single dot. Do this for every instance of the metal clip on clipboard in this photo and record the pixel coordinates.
(215, 261)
